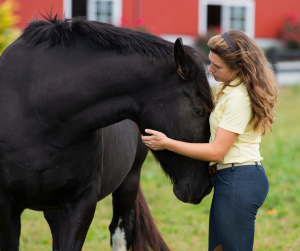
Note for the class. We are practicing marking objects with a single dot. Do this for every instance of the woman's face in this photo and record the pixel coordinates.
(220, 70)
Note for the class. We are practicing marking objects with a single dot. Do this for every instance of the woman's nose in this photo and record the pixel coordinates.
(210, 68)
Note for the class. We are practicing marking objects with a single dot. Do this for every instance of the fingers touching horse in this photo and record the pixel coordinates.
(60, 82)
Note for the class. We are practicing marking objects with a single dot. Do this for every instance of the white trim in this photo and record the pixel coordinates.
(267, 42)
(225, 16)
(202, 17)
(186, 39)
(117, 10)
(67, 8)
(225, 13)
(251, 19)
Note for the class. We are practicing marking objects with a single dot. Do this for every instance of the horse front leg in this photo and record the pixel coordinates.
(132, 224)
(10, 224)
(124, 199)
(53, 219)
(76, 215)
(122, 225)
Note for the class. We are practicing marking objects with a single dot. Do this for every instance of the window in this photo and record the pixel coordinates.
(107, 11)
(237, 18)
(230, 14)
(104, 11)
(213, 16)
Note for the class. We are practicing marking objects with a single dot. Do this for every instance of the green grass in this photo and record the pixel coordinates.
(184, 226)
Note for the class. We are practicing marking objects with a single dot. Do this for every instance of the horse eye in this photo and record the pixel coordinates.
(199, 111)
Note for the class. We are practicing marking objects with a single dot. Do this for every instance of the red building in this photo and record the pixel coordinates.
(260, 19)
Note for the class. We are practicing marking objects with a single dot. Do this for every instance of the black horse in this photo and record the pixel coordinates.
(122, 154)
(60, 82)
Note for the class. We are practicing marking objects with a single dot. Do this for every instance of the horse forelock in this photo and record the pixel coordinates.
(204, 91)
(203, 86)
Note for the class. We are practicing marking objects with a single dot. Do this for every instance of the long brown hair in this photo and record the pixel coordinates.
(255, 71)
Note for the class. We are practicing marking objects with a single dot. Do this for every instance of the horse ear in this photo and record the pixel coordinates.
(186, 66)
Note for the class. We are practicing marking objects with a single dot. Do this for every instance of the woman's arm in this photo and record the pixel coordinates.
(214, 151)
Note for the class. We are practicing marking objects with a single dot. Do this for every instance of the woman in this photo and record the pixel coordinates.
(243, 112)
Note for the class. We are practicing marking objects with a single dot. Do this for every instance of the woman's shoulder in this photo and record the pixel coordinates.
(239, 97)
(241, 89)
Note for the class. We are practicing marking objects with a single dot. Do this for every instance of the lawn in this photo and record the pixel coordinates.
(184, 226)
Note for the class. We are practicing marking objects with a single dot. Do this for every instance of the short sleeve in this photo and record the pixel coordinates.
(237, 114)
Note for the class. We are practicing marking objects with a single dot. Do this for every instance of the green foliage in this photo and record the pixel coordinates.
(184, 226)
(201, 41)
(7, 21)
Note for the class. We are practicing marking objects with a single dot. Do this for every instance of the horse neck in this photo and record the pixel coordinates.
(113, 88)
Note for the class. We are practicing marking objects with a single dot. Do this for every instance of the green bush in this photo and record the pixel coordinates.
(8, 33)
(290, 33)
(201, 41)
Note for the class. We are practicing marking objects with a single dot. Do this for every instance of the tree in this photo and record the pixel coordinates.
(8, 33)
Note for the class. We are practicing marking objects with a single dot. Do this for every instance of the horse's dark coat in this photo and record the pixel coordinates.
(122, 156)
(63, 80)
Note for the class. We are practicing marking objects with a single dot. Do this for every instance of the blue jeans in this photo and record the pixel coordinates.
(239, 191)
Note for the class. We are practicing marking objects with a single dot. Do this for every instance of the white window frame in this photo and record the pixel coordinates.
(225, 19)
(117, 10)
(67, 8)
(91, 10)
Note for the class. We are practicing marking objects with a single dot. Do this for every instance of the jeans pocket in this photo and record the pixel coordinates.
(226, 178)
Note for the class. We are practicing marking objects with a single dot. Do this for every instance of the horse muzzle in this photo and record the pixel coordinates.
(187, 194)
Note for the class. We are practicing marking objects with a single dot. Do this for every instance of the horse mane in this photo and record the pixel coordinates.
(106, 37)
(101, 36)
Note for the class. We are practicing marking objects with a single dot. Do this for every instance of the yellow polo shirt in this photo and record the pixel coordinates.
(233, 113)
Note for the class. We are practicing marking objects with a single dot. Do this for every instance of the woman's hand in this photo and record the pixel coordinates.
(157, 141)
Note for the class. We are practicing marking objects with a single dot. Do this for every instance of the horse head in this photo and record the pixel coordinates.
(181, 111)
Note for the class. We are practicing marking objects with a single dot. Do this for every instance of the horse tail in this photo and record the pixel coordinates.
(146, 235)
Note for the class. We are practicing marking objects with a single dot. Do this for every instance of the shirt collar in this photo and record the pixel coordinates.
(228, 89)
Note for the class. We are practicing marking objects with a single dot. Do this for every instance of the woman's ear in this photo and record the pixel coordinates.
(241, 65)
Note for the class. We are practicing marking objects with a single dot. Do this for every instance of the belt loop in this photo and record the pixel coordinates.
(256, 165)
(232, 167)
